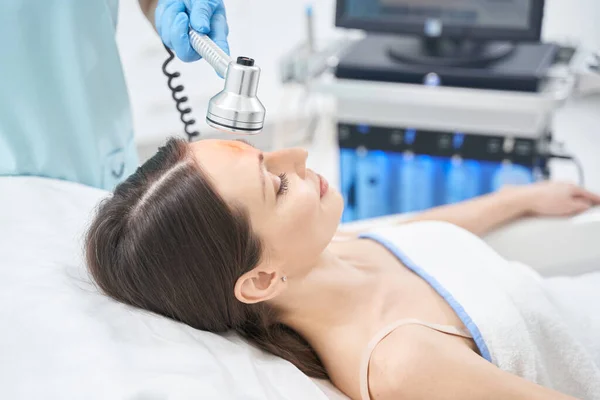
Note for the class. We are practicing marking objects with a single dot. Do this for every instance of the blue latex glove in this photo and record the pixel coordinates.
(174, 17)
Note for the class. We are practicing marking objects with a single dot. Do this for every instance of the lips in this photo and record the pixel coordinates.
(324, 185)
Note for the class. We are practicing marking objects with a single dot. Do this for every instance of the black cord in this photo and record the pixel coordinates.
(187, 123)
(575, 161)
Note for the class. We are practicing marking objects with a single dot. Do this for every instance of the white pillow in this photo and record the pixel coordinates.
(61, 339)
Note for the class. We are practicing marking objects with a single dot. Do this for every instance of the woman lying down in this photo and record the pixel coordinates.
(222, 237)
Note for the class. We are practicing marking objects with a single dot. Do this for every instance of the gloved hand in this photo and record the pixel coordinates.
(173, 18)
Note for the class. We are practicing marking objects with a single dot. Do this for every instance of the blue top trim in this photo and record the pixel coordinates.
(458, 309)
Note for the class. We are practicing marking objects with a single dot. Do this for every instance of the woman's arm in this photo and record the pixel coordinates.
(487, 213)
(479, 215)
(484, 214)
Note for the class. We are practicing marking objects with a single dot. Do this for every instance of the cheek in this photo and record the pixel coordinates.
(297, 216)
(307, 209)
(305, 224)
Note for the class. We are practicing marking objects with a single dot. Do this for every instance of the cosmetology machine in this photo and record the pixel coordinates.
(447, 113)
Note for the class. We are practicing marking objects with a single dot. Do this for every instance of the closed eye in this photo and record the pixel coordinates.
(283, 187)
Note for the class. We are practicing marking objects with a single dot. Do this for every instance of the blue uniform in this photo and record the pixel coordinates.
(64, 108)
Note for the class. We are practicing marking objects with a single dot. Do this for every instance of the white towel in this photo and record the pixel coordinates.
(578, 299)
(512, 315)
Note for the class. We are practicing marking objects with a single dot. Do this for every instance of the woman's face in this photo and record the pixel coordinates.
(291, 208)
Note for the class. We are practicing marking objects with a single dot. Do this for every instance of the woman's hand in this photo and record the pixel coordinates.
(555, 198)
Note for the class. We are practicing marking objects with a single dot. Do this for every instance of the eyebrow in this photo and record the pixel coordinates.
(261, 160)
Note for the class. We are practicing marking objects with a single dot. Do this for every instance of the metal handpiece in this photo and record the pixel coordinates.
(236, 108)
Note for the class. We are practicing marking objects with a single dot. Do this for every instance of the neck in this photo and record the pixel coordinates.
(330, 295)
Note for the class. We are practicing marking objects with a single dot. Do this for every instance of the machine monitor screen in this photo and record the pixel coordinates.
(482, 19)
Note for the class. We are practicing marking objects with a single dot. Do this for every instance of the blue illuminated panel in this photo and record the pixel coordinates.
(415, 179)
(463, 180)
(406, 170)
(348, 183)
(510, 174)
(372, 184)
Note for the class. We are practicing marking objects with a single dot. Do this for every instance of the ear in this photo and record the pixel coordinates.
(260, 284)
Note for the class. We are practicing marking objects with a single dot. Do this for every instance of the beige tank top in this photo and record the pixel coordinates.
(382, 334)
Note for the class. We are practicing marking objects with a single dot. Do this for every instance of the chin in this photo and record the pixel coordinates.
(336, 205)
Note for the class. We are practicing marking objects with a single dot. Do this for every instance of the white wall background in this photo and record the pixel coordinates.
(265, 30)
(573, 20)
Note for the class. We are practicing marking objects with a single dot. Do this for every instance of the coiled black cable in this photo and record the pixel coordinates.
(187, 123)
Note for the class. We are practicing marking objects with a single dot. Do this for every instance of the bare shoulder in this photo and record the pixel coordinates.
(399, 360)
(416, 362)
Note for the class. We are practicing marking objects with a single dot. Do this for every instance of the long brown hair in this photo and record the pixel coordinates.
(166, 242)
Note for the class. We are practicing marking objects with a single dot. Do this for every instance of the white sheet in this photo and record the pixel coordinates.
(60, 339)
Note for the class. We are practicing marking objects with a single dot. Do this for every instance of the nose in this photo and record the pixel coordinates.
(286, 160)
